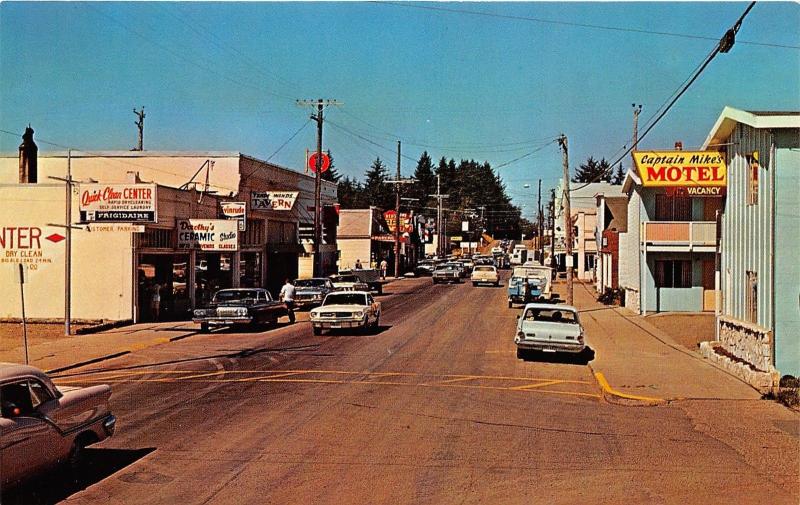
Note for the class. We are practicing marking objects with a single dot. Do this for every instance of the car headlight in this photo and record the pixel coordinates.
(200, 313)
(521, 334)
(313, 315)
(241, 311)
(359, 313)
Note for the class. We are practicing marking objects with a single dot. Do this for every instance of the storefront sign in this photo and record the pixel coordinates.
(118, 203)
(235, 210)
(129, 228)
(208, 234)
(272, 200)
(406, 224)
(681, 168)
(28, 245)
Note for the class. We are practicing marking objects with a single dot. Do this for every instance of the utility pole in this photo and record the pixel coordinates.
(553, 228)
(562, 141)
(68, 244)
(439, 230)
(637, 109)
(397, 182)
(539, 226)
(319, 118)
(140, 124)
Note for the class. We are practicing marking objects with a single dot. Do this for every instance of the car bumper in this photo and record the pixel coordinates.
(547, 346)
(223, 321)
(343, 323)
(110, 425)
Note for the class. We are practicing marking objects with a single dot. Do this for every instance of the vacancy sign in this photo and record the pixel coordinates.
(118, 203)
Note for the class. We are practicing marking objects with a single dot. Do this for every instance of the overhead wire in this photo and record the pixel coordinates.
(296, 133)
(415, 5)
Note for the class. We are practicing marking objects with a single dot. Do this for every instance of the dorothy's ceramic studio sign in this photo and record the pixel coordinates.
(118, 203)
(208, 234)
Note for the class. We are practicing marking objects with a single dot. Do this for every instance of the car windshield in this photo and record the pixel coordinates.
(345, 299)
(235, 295)
(551, 316)
(310, 283)
(345, 278)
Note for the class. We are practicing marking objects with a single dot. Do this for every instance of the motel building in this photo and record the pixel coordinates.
(667, 256)
(187, 222)
(758, 321)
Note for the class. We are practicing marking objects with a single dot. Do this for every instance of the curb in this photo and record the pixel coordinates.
(613, 396)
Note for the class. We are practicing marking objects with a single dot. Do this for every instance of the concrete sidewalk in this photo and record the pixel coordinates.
(636, 358)
(67, 352)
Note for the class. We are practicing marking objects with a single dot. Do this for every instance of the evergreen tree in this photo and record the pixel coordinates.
(331, 174)
(376, 191)
(350, 194)
(425, 184)
(593, 171)
(619, 176)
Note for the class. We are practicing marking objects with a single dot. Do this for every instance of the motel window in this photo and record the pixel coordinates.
(673, 208)
(673, 274)
(751, 298)
(752, 179)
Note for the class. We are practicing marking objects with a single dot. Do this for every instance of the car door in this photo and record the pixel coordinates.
(29, 443)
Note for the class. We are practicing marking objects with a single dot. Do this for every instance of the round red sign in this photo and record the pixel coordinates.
(312, 162)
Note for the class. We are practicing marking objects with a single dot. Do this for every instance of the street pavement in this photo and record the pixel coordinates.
(433, 408)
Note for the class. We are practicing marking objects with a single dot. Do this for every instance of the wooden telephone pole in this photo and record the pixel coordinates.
(139, 124)
(562, 141)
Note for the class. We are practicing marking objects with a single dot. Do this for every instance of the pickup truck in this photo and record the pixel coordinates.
(529, 284)
(240, 306)
(369, 276)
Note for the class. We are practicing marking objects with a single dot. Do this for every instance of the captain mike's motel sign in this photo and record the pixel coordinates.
(689, 173)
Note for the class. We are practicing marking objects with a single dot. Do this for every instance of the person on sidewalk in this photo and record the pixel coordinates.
(358, 265)
(287, 297)
(384, 266)
(155, 301)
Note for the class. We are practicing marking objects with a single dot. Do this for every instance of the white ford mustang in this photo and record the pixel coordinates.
(346, 309)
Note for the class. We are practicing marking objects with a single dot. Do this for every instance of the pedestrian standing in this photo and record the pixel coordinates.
(384, 266)
(155, 301)
(287, 297)
(358, 265)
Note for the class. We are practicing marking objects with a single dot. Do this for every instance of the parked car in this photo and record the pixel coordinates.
(448, 272)
(42, 426)
(346, 309)
(311, 292)
(484, 274)
(348, 282)
(240, 306)
(425, 268)
(549, 328)
(529, 284)
(369, 276)
(468, 265)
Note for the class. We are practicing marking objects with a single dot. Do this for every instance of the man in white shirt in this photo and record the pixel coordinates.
(287, 297)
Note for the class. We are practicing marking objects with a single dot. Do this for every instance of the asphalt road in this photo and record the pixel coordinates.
(434, 408)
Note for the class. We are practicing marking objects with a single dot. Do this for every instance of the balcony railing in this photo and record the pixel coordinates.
(691, 233)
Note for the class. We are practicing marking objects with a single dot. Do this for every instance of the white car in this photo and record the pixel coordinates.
(549, 328)
(346, 309)
(484, 274)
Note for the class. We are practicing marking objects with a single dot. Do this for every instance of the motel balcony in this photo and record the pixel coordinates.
(679, 236)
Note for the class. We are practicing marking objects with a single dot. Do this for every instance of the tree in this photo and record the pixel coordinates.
(350, 194)
(376, 191)
(593, 171)
(425, 184)
(619, 176)
(331, 174)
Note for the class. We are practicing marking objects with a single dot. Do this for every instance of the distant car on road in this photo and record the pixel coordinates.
(484, 274)
(348, 282)
(549, 328)
(311, 292)
(425, 268)
(42, 426)
(346, 309)
(240, 306)
(448, 272)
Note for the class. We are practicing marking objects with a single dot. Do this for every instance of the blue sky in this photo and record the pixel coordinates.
(225, 76)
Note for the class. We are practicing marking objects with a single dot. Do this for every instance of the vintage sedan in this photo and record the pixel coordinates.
(350, 309)
(484, 274)
(311, 292)
(240, 306)
(449, 272)
(42, 426)
(549, 328)
(348, 282)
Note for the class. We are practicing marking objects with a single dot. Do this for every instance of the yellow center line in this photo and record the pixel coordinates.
(460, 379)
(537, 385)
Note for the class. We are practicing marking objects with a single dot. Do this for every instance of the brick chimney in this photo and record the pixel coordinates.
(28, 158)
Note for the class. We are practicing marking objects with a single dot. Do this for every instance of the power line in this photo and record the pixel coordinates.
(523, 156)
(279, 149)
(723, 46)
(414, 5)
(340, 127)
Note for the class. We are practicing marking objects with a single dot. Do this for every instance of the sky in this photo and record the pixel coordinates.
(497, 83)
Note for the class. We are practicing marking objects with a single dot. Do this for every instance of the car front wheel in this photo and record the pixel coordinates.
(317, 330)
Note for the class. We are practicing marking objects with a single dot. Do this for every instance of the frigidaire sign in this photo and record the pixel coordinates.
(682, 169)
(118, 203)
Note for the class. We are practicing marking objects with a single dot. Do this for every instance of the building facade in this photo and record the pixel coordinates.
(115, 269)
(612, 218)
(759, 318)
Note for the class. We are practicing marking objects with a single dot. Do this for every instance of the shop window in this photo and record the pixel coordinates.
(673, 208)
(250, 270)
(254, 234)
(751, 298)
(156, 238)
(673, 274)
